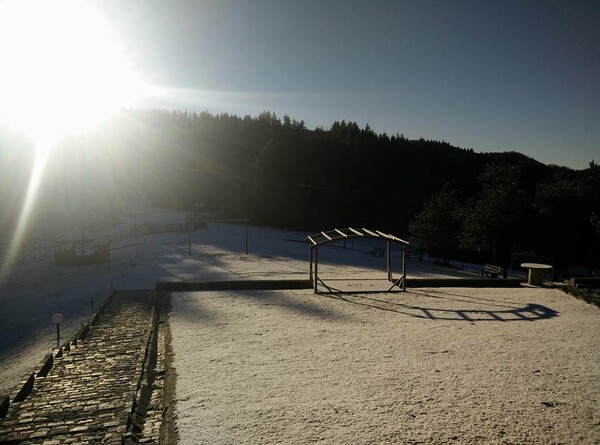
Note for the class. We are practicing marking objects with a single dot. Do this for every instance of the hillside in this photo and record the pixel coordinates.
(275, 171)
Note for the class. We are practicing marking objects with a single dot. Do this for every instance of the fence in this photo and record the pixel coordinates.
(38, 251)
(43, 250)
(146, 229)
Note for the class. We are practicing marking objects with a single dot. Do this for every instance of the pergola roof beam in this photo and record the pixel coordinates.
(326, 236)
(341, 233)
(371, 233)
(391, 237)
(355, 231)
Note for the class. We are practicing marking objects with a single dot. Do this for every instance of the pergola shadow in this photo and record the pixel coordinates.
(529, 312)
(357, 285)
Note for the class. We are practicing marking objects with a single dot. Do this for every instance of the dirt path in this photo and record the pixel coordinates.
(429, 366)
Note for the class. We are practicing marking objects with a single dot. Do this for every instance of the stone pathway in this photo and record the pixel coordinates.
(95, 391)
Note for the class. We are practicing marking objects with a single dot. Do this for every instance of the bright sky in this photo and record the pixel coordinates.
(62, 70)
(489, 75)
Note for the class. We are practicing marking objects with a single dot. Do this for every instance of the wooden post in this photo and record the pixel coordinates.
(246, 226)
(388, 259)
(404, 268)
(316, 283)
(311, 266)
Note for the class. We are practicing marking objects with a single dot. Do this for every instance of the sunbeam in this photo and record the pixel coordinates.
(41, 157)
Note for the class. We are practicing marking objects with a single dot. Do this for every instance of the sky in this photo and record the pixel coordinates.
(489, 75)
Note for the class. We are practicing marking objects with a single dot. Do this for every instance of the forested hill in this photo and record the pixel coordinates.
(280, 173)
(276, 171)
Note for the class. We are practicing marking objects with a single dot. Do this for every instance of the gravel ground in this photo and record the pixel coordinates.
(429, 366)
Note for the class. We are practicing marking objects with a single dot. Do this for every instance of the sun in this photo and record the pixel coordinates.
(61, 72)
(62, 69)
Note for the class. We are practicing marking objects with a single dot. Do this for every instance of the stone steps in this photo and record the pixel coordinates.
(92, 390)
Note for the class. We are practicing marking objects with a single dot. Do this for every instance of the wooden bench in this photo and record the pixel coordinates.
(491, 271)
(377, 251)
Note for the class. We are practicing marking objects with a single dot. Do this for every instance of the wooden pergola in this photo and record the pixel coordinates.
(330, 236)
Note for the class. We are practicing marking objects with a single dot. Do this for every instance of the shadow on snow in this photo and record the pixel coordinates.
(529, 312)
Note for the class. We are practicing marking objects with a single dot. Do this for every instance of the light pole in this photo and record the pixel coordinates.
(57, 320)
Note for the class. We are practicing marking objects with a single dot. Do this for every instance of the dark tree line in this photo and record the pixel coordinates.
(276, 171)
(511, 219)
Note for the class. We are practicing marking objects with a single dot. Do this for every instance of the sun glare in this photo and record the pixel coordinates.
(62, 70)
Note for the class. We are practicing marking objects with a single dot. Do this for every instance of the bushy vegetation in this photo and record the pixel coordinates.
(512, 219)
(591, 296)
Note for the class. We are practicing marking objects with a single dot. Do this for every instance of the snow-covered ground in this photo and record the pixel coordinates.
(429, 366)
(33, 292)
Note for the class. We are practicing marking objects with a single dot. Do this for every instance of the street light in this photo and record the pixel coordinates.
(57, 320)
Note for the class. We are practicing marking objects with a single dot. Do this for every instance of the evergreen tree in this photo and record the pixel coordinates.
(439, 221)
(495, 222)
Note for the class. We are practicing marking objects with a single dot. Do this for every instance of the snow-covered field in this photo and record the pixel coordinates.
(468, 366)
(33, 292)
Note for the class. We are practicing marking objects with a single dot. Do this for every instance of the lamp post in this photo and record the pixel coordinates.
(57, 320)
